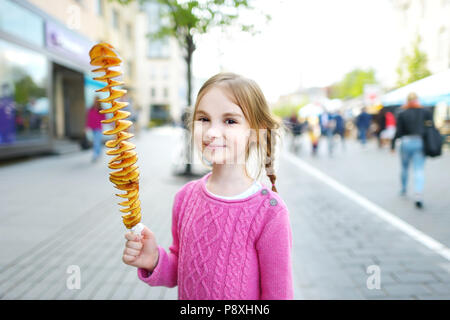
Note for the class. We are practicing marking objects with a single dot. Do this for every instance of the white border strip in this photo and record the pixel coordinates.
(421, 237)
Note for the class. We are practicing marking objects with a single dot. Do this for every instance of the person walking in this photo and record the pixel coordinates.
(410, 129)
(340, 127)
(93, 123)
(363, 124)
(390, 126)
(296, 130)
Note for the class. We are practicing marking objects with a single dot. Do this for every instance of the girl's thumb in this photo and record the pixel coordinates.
(146, 233)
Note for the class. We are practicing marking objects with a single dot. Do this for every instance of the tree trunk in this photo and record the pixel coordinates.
(190, 48)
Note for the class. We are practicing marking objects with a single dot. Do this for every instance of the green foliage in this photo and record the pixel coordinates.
(413, 66)
(26, 89)
(352, 85)
(287, 110)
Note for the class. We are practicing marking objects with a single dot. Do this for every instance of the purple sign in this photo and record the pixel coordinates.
(67, 43)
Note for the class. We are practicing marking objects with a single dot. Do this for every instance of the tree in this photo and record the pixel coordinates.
(352, 85)
(187, 19)
(184, 20)
(413, 66)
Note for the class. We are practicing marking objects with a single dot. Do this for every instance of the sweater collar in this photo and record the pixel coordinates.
(211, 196)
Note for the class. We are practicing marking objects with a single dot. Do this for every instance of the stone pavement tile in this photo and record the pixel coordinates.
(373, 293)
(170, 294)
(434, 297)
(66, 294)
(423, 266)
(406, 289)
(152, 293)
(395, 298)
(104, 291)
(121, 292)
(55, 290)
(439, 288)
(360, 279)
(443, 276)
(140, 291)
(330, 293)
(415, 277)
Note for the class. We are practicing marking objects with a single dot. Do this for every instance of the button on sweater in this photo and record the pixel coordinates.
(226, 249)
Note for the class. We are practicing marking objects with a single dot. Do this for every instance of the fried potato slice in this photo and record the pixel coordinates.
(116, 105)
(120, 126)
(118, 115)
(123, 146)
(124, 163)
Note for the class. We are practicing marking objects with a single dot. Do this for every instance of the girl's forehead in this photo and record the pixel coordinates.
(217, 100)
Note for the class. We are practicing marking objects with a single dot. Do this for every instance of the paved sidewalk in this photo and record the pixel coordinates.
(61, 211)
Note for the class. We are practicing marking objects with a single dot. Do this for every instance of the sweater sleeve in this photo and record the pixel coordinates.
(274, 248)
(166, 270)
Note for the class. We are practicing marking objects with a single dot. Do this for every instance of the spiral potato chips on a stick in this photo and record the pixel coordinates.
(126, 178)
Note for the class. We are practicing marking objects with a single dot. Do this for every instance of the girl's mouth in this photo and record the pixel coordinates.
(214, 146)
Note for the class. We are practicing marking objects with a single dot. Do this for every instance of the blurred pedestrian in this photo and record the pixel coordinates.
(296, 130)
(93, 123)
(380, 121)
(390, 127)
(339, 127)
(313, 124)
(363, 124)
(410, 128)
(329, 127)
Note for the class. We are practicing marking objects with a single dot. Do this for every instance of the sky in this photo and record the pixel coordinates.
(307, 43)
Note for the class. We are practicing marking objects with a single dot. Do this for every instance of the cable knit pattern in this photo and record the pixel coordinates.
(224, 249)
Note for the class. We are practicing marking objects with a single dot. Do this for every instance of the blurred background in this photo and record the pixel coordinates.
(338, 73)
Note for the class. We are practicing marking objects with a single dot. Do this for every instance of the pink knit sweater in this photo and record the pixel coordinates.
(226, 249)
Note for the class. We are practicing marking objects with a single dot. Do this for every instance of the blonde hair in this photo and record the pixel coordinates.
(248, 96)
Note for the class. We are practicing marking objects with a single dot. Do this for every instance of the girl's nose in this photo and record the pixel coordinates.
(212, 132)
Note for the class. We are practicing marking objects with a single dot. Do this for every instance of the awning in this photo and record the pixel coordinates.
(431, 90)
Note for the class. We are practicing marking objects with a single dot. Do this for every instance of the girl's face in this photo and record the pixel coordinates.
(221, 131)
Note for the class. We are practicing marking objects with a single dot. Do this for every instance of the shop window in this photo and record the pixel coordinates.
(21, 22)
(115, 19)
(99, 7)
(24, 104)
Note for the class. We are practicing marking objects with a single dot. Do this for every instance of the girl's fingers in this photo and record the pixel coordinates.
(134, 245)
(130, 236)
(131, 252)
(128, 259)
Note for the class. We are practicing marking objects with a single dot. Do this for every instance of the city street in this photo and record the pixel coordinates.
(60, 211)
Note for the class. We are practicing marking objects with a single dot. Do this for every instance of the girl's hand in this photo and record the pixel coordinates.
(141, 251)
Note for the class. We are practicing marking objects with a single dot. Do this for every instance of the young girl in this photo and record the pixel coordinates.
(231, 234)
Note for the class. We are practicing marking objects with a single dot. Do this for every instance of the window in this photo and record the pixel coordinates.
(115, 19)
(166, 92)
(165, 74)
(20, 22)
(129, 32)
(24, 104)
(99, 7)
(130, 69)
(153, 93)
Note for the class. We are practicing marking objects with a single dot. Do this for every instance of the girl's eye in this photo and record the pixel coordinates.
(201, 119)
(232, 121)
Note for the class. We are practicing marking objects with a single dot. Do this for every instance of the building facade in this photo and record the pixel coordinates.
(46, 80)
